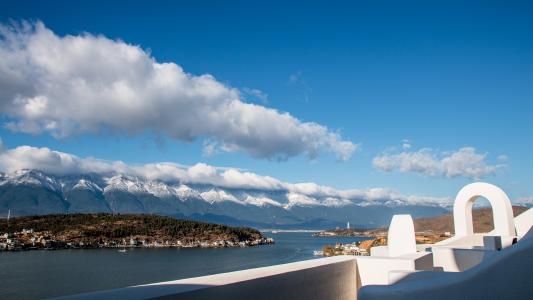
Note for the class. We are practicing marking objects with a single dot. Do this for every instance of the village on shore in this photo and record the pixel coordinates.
(373, 238)
(28, 239)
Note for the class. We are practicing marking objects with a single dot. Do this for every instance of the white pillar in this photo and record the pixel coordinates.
(401, 236)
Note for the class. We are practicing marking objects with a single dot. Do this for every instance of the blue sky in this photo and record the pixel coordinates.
(442, 75)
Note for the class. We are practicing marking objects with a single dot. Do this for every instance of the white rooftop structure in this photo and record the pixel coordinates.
(494, 265)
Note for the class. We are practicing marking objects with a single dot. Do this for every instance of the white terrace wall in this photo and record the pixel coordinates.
(505, 275)
(325, 278)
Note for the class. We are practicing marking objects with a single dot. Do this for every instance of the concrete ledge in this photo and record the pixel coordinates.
(458, 260)
(375, 269)
(325, 278)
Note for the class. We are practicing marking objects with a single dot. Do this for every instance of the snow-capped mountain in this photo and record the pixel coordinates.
(28, 192)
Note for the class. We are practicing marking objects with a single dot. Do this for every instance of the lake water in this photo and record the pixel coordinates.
(39, 274)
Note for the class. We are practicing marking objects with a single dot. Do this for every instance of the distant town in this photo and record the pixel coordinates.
(373, 238)
(27, 239)
(85, 231)
(346, 232)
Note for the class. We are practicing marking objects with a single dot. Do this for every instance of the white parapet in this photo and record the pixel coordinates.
(325, 278)
(451, 259)
(375, 269)
(524, 222)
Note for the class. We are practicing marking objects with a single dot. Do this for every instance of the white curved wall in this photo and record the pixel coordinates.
(524, 222)
(325, 278)
(505, 275)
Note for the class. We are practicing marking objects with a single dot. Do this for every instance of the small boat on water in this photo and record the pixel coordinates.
(274, 231)
(122, 250)
(318, 253)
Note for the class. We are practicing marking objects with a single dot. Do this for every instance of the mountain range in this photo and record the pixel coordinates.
(32, 192)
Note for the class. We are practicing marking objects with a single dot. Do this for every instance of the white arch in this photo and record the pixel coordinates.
(502, 209)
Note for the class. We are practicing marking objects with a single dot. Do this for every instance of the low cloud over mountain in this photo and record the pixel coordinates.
(30, 192)
(41, 181)
(307, 194)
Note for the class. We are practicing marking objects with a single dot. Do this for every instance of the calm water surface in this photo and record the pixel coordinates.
(40, 274)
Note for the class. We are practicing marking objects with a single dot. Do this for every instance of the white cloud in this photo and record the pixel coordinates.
(256, 94)
(296, 79)
(261, 201)
(301, 200)
(300, 194)
(213, 196)
(68, 85)
(209, 149)
(406, 144)
(527, 201)
(503, 158)
(465, 162)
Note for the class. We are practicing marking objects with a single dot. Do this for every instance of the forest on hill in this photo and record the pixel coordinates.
(116, 230)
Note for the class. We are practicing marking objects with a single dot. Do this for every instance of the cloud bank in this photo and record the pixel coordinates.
(526, 201)
(465, 162)
(302, 194)
(68, 85)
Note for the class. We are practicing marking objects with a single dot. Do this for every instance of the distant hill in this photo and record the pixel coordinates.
(482, 218)
(89, 228)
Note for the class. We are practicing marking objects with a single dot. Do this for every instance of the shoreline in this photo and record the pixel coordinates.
(54, 244)
(128, 247)
(290, 230)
